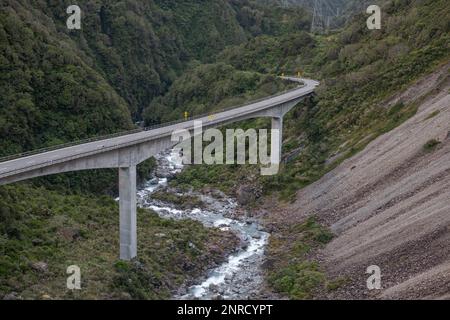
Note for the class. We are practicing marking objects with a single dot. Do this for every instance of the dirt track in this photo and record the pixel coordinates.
(390, 205)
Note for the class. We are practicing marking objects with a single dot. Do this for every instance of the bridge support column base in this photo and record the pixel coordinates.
(127, 203)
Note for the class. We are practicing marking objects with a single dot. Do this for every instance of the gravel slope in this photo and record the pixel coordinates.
(390, 204)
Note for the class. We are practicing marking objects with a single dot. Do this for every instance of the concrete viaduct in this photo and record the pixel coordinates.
(125, 152)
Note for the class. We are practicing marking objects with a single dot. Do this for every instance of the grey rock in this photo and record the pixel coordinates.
(214, 288)
(37, 242)
(40, 266)
(160, 235)
(245, 195)
(12, 296)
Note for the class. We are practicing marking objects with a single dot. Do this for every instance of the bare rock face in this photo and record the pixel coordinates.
(40, 266)
(220, 195)
(246, 194)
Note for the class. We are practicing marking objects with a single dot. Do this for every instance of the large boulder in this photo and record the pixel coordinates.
(39, 266)
(246, 194)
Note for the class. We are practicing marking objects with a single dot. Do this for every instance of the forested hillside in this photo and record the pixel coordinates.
(59, 85)
(212, 87)
(127, 53)
(330, 14)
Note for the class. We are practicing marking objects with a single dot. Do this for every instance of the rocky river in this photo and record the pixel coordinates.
(240, 276)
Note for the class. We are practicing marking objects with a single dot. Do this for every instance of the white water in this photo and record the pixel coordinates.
(240, 275)
(230, 268)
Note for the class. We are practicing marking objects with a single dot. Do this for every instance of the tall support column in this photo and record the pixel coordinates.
(277, 124)
(127, 203)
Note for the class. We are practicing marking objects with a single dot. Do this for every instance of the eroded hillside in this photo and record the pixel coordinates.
(389, 205)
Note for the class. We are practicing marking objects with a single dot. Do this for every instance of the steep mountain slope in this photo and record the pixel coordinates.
(49, 93)
(329, 14)
(388, 205)
(211, 87)
(359, 68)
(127, 53)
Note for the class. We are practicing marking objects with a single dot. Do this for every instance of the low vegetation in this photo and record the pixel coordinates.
(43, 232)
(290, 271)
(432, 115)
(431, 145)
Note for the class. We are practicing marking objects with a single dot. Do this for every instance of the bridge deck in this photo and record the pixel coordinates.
(34, 161)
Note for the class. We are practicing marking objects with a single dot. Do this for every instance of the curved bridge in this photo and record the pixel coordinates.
(127, 151)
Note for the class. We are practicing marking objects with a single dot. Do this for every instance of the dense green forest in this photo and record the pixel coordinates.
(211, 87)
(126, 53)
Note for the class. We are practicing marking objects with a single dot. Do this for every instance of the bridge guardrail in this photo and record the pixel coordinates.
(138, 130)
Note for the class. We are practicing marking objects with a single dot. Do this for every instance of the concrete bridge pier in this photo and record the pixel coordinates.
(277, 124)
(127, 203)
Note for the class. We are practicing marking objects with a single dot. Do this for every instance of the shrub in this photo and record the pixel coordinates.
(431, 145)
(433, 114)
